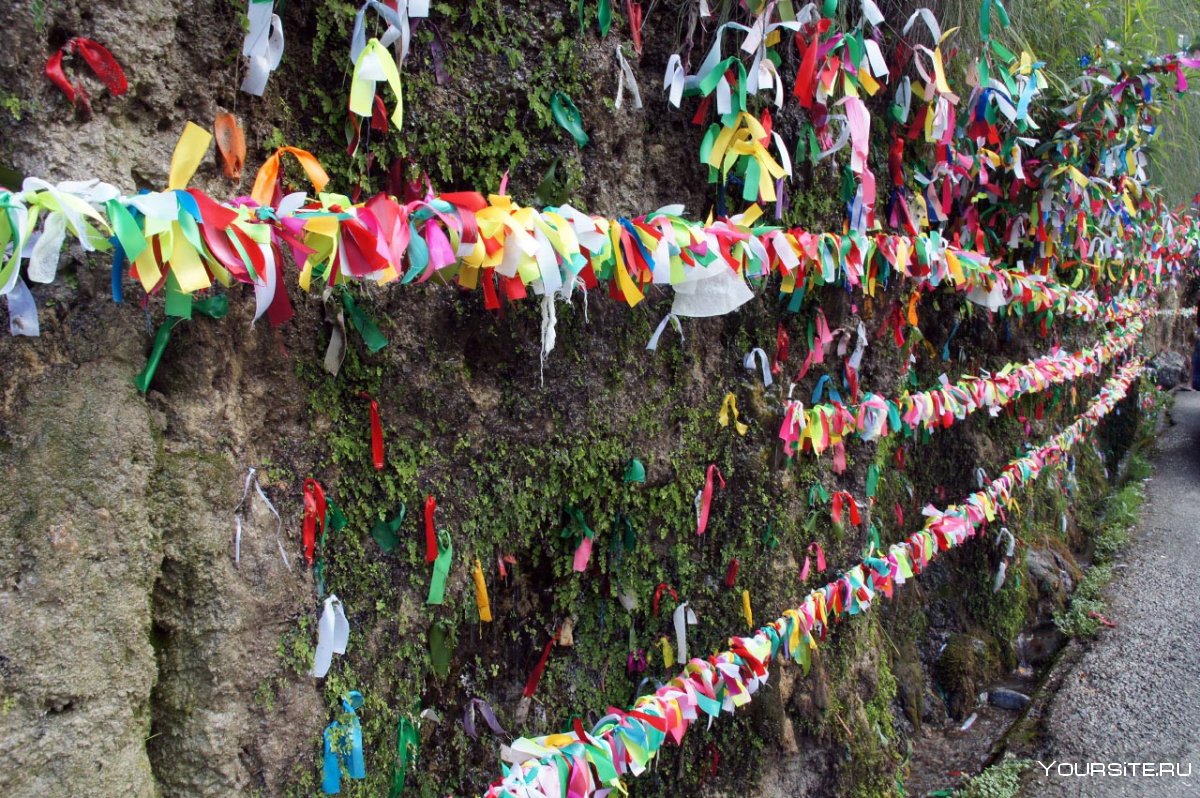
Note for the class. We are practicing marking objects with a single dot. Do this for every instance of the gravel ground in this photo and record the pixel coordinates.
(1133, 697)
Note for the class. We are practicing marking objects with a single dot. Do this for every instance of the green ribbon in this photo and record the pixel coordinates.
(127, 230)
(439, 648)
(179, 303)
(635, 471)
(386, 533)
(770, 537)
(215, 307)
(335, 521)
(872, 479)
(407, 743)
(568, 117)
(578, 527)
(604, 16)
(622, 540)
(441, 569)
(370, 333)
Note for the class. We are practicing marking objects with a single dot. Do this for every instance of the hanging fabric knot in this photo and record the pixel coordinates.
(387, 533)
(668, 653)
(658, 592)
(729, 407)
(481, 593)
(624, 538)
(782, 340)
(314, 517)
(263, 45)
(683, 617)
(237, 520)
(652, 345)
(98, 59)
(333, 635)
(376, 431)
(535, 676)
(843, 499)
(814, 549)
(407, 742)
(579, 531)
(625, 74)
(431, 540)
(732, 572)
(441, 569)
(748, 362)
(343, 746)
(705, 498)
(489, 717)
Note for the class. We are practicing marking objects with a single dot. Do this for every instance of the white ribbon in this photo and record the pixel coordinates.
(662, 325)
(43, 257)
(930, 22)
(263, 45)
(674, 79)
(264, 292)
(333, 635)
(871, 13)
(626, 74)
(549, 322)
(683, 617)
(237, 520)
(22, 311)
(859, 348)
(748, 362)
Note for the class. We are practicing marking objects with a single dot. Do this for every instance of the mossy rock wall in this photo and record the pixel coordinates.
(206, 693)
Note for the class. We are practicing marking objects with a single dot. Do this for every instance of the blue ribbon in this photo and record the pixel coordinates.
(118, 265)
(822, 384)
(946, 346)
(343, 747)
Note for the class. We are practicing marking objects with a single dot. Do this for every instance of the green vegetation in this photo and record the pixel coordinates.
(1060, 32)
(1001, 780)
(1122, 510)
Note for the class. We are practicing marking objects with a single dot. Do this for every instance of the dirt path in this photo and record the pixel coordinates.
(1133, 699)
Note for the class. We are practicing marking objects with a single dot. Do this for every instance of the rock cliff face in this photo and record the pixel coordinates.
(138, 658)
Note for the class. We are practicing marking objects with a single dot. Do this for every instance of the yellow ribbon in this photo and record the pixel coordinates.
(728, 405)
(189, 152)
(374, 64)
(746, 609)
(481, 594)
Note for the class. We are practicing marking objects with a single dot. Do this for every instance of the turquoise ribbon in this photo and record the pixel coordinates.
(343, 746)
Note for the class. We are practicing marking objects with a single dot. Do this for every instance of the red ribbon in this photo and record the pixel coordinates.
(531, 684)
(634, 13)
(98, 58)
(376, 431)
(840, 499)
(814, 548)
(431, 544)
(706, 497)
(658, 591)
(314, 516)
(782, 339)
(731, 574)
